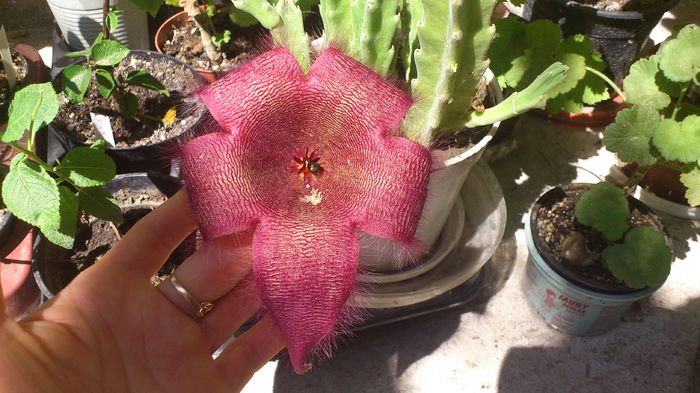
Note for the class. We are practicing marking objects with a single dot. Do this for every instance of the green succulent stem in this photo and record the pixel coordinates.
(533, 96)
(679, 100)
(608, 81)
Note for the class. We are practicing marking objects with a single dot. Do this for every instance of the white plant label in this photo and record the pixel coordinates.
(103, 128)
(7, 58)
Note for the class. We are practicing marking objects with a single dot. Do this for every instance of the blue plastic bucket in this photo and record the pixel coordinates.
(568, 307)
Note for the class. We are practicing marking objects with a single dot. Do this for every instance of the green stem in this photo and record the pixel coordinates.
(43, 164)
(679, 101)
(608, 81)
(635, 179)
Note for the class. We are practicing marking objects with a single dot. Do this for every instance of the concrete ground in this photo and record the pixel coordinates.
(496, 343)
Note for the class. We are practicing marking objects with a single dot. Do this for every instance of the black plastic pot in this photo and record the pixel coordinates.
(153, 157)
(618, 35)
(51, 270)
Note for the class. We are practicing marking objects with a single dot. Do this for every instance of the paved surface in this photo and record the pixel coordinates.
(496, 344)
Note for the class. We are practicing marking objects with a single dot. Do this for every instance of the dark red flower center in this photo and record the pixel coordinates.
(306, 164)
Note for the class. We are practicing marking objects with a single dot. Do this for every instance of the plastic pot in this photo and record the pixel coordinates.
(80, 22)
(446, 181)
(566, 301)
(53, 271)
(151, 157)
(617, 35)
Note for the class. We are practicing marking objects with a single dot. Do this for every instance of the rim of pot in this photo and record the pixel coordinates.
(200, 112)
(571, 276)
(625, 15)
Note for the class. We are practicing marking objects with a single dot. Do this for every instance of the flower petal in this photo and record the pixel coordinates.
(305, 271)
(264, 87)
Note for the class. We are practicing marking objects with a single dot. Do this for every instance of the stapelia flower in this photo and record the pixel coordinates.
(306, 161)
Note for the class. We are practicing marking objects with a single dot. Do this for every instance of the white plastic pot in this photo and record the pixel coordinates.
(81, 20)
(452, 168)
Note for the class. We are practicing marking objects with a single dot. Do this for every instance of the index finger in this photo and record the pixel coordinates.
(149, 243)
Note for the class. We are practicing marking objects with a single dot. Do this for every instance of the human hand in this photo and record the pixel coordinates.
(110, 330)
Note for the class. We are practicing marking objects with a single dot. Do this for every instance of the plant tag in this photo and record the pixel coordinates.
(7, 59)
(103, 128)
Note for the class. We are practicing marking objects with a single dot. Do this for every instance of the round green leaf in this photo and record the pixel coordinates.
(643, 260)
(101, 204)
(691, 180)
(75, 80)
(630, 135)
(32, 108)
(87, 167)
(680, 56)
(641, 84)
(605, 208)
(678, 141)
(31, 194)
(108, 53)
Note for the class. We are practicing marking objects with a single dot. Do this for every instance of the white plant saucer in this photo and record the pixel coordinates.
(484, 225)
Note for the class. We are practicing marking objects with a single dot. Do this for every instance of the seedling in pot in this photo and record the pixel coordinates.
(638, 255)
(662, 126)
(50, 197)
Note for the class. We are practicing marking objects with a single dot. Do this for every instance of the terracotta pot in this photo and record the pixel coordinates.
(19, 289)
(165, 32)
(446, 180)
(601, 114)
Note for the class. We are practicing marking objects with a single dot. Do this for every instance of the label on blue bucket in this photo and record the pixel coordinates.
(562, 310)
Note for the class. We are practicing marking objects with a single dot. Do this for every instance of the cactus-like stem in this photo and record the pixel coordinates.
(454, 36)
(410, 16)
(337, 23)
(261, 10)
(290, 33)
(533, 96)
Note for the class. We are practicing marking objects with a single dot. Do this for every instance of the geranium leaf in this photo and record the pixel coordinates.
(641, 84)
(643, 260)
(680, 57)
(64, 236)
(87, 167)
(630, 135)
(605, 208)
(678, 141)
(691, 180)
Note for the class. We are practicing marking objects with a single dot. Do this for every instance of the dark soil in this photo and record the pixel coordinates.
(625, 5)
(186, 44)
(145, 129)
(5, 93)
(95, 237)
(577, 248)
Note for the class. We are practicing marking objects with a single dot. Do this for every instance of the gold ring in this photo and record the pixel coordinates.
(200, 309)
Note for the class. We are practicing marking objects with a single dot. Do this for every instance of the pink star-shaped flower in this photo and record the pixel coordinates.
(306, 161)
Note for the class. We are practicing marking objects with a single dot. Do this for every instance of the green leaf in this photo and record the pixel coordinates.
(630, 135)
(112, 20)
(75, 81)
(679, 58)
(32, 108)
(643, 260)
(64, 236)
(105, 82)
(150, 6)
(508, 45)
(144, 79)
(101, 204)
(678, 141)
(691, 181)
(129, 105)
(108, 53)
(87, 167)
(219, 39)
(605, 208)
(81, 53)
(31, 194)
(646, 84)
(99, 145)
